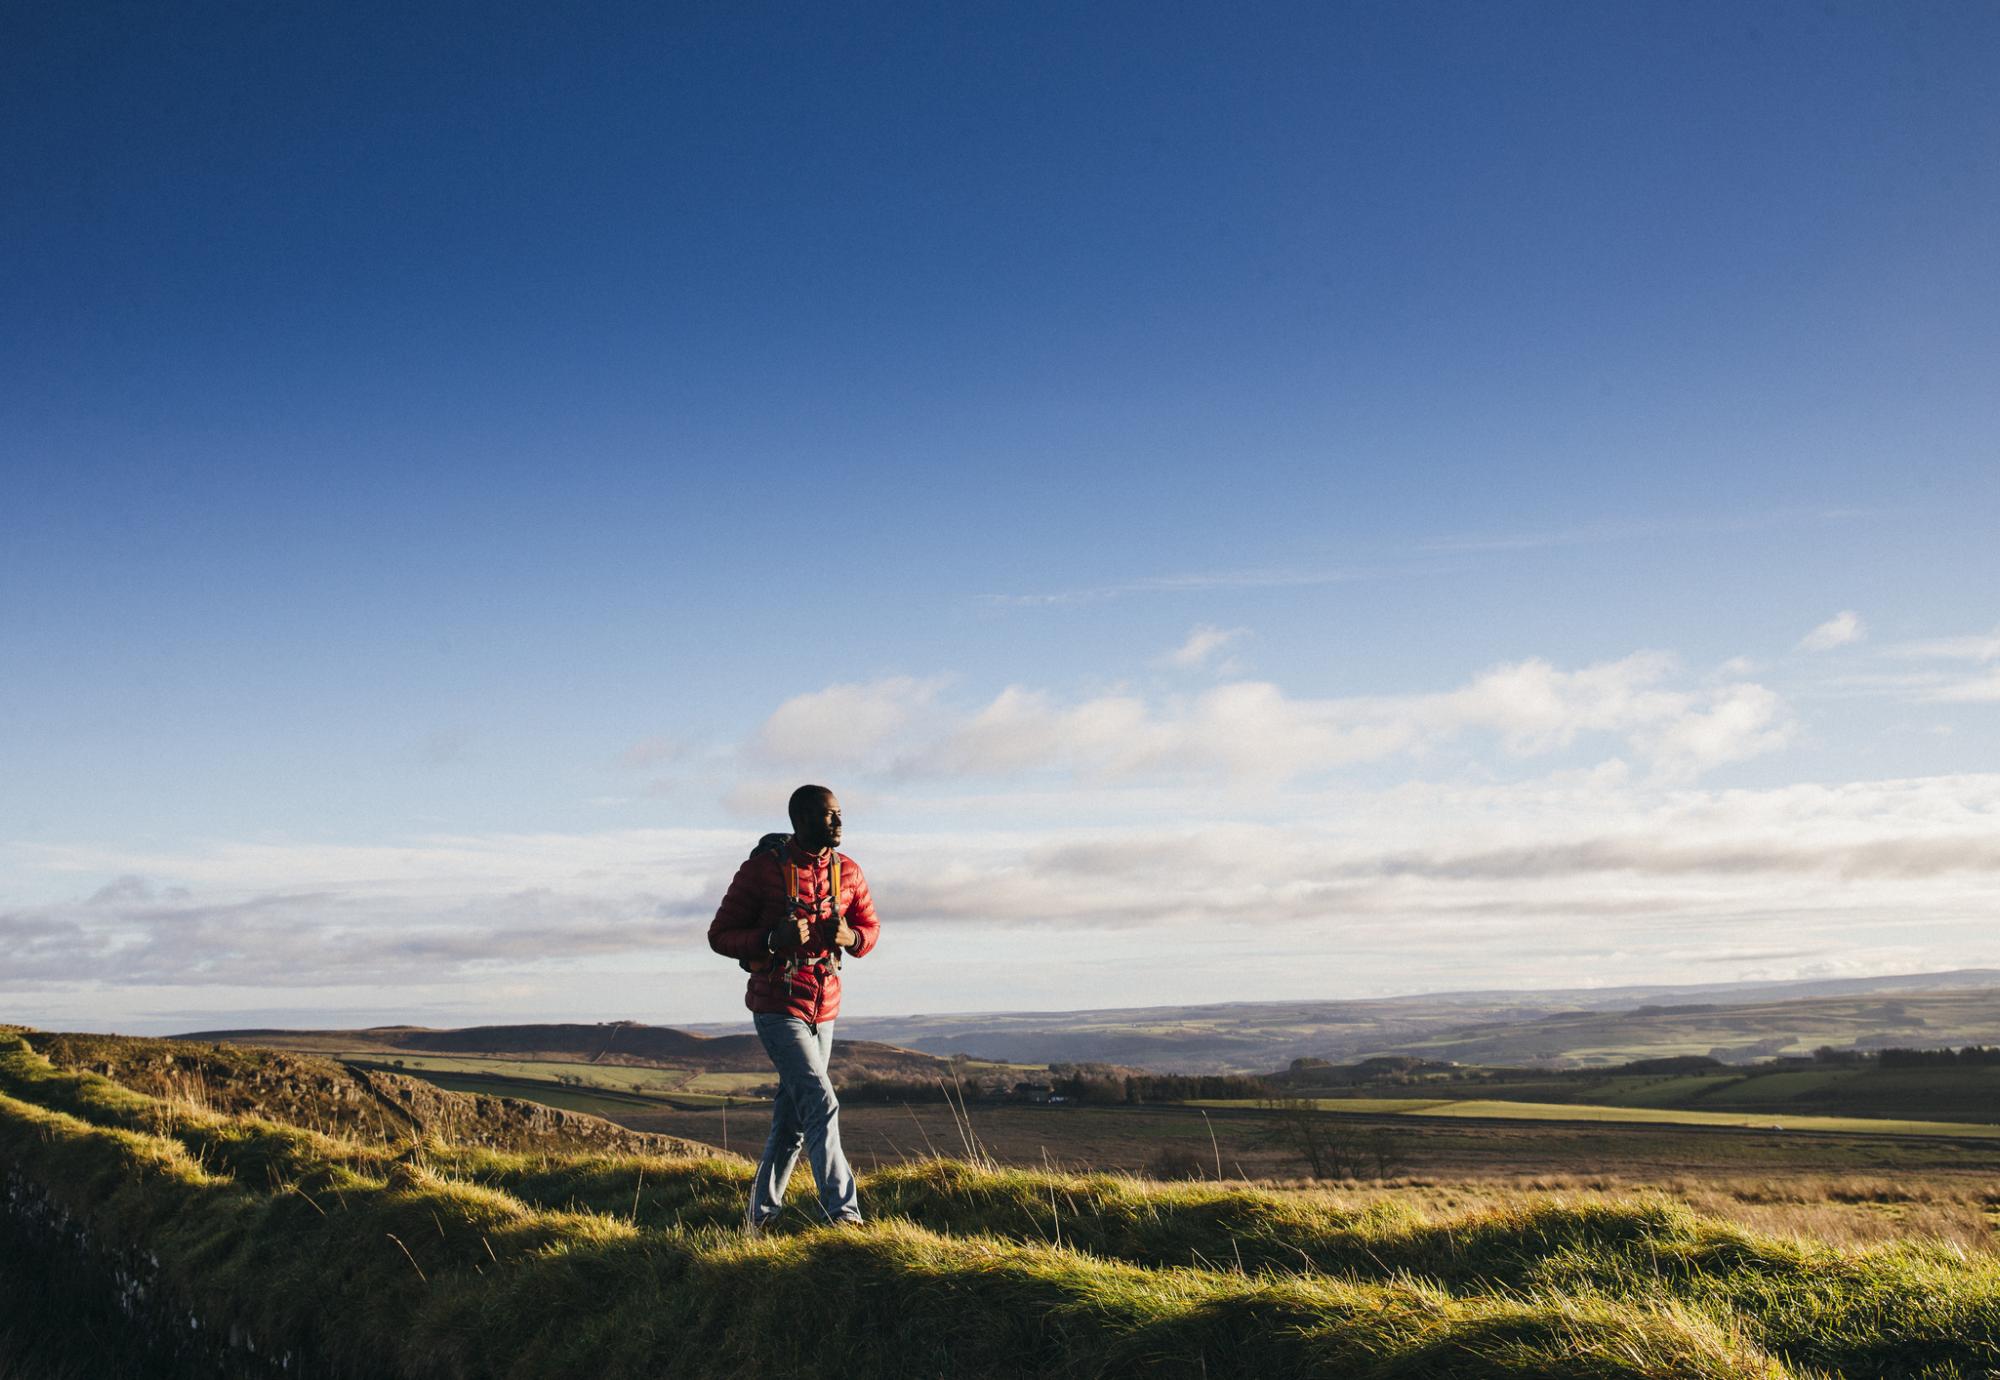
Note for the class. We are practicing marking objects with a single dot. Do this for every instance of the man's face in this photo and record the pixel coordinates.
(818, 823)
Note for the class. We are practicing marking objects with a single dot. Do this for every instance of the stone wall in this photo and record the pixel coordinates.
(85, 1283)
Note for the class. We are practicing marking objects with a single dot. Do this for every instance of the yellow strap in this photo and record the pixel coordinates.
(792, 885)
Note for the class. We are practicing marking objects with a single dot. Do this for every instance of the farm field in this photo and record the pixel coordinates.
(397, 1257)
(1868, 1088)
(1130, 1139)
(1659, 1116)
(1542, 1139)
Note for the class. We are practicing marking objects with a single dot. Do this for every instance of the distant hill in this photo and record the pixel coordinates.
(1733, 1034)
(614, 1042)
(1561, 1027)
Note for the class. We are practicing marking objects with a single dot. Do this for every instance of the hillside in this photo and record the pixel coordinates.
(246, 1246)
(337, 1099)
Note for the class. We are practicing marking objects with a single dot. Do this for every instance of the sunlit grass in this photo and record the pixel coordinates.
(425, 1258)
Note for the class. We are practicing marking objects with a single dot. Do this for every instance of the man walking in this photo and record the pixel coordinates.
(794, 907)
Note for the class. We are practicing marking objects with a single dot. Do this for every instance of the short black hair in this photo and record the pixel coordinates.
(802, 797)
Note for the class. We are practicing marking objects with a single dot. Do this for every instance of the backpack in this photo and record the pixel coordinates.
(775, 845)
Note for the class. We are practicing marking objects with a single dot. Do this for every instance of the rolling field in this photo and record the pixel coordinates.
(1508, 1110)
(1487, 1140)
(432, 1259)
(1869, 1090)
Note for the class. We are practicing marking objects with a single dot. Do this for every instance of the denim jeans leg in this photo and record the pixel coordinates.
(808, 1111)
(781, 1154)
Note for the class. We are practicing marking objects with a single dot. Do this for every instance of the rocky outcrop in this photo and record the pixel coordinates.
(339, 1099)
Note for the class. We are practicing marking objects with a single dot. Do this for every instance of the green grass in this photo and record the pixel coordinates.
(1496, 1109)
(422, 1260)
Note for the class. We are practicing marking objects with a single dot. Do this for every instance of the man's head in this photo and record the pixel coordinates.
(815, 818)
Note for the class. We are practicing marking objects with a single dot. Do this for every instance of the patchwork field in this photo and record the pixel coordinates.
(1508, 1110)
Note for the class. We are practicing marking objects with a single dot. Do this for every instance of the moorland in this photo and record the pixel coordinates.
(255, 1205)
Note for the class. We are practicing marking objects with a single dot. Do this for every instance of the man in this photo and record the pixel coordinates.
(791, 911)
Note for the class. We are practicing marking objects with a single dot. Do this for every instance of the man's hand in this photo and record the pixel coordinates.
(793, 933)
(845, 937)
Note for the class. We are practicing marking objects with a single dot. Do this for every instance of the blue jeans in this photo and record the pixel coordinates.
(804, 1114)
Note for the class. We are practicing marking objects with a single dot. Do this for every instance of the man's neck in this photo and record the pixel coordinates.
(811, 852)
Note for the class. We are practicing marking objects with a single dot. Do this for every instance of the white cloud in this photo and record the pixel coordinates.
(1253, 730)
(1838, 631)
(844, 724)
(1424, 885)
(1740, 722)
(1947, 684)
(1227, 821)
(1202, 645)
(1983, 690)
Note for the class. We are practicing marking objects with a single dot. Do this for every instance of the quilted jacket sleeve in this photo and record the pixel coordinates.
(861, 916)
(741, 921)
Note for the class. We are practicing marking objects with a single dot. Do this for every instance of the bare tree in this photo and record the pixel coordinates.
(1333, 1147)
(1387, 1150)
(1330, 1147)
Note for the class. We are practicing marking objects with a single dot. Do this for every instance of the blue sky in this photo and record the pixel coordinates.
(1213, 471)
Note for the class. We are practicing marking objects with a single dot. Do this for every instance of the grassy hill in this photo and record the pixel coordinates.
(405, 1257)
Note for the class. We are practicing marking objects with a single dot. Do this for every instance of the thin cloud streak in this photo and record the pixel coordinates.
(1602, 533)
(1596, 534)
(1203, 581)
(1975, 647)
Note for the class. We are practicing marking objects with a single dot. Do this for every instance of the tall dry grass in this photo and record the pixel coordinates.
(1958, 1209)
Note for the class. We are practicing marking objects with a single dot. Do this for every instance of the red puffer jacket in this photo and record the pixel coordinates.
(756, 904)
